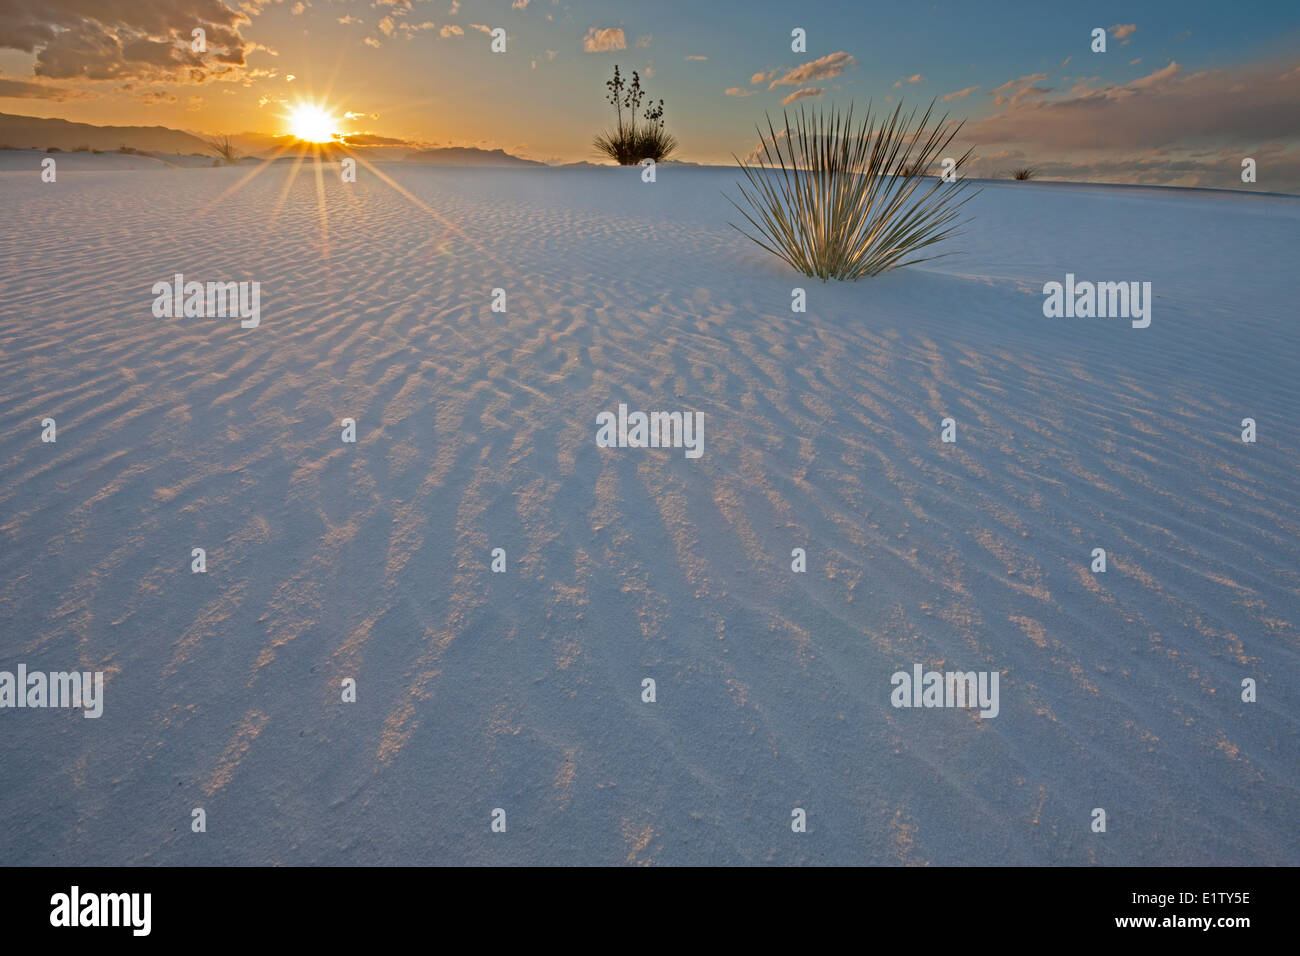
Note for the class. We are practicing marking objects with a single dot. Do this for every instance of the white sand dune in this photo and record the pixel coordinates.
(477, 430)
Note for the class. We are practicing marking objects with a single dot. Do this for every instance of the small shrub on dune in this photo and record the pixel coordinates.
(224, 150)
(1024, 172)
(631, 141)
(842, 202)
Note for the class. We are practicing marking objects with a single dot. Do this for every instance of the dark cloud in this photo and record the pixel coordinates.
(373, 139)
(124, 39)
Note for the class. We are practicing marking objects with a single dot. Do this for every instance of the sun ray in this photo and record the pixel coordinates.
(451, 226)
(321, 209)
(288, 185)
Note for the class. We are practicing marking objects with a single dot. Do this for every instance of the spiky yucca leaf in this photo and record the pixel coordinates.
(839, 202)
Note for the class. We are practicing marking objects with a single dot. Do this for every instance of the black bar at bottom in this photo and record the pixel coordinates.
(333, 906)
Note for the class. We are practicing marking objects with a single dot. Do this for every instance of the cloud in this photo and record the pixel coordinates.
(1013, 91)
(960, 94)
(386, 26)
(805, 93)
(1122, 31)
(298, 8)
(451, 30)
(602, 41)
(762, 77)
(349, 18)
(1167, 120)
(644, 41)
(409, 30)
(519, 5)
(697, 59)
(154, 97)
(372, 42)
(480, 27)
(22, 89)
(740, 91)
(373, 139)
(121, 40)
(830, 65)
(1155, 79)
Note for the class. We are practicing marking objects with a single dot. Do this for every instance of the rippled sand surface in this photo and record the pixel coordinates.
(476, 430)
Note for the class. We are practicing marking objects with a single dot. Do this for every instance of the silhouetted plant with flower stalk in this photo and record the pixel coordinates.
(641, 135)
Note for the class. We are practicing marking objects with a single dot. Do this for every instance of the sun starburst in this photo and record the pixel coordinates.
(313, 123)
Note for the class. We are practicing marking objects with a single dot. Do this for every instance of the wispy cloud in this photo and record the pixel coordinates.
(806, 93)
(1013, 91)
(1122, 32)
(22, 89)
(960, 94)
(823, 68)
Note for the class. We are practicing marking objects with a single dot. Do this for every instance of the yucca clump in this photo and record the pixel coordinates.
(634, 137)
(224, 150)
(839, 202)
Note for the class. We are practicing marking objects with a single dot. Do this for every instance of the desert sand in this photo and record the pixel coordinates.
(476, 430)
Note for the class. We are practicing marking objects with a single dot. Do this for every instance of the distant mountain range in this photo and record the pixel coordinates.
(468, 156)
(34, 132)
(27, 132)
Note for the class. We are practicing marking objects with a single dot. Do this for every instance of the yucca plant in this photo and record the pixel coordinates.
(1024, 172)
(631, 141)
(842, 202)
(223, 149)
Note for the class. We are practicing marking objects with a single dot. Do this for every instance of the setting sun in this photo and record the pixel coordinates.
(312, 123)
